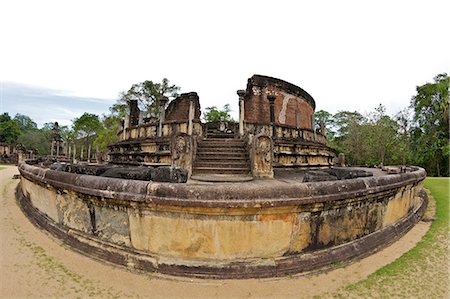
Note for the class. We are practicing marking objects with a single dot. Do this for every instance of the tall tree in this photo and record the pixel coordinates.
(86, 125)
(9, 129)
(381, 135)
(213, 114)
(431, 130)
(147, 94)
(25, 122)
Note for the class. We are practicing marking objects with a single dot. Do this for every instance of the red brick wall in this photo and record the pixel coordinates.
(178, 109)
(257, 107)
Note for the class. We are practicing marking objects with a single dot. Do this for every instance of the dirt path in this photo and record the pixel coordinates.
(34, 265)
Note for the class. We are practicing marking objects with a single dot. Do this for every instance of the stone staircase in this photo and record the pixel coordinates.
(221, 154)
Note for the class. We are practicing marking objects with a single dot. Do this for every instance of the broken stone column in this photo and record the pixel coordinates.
(261, 156)
(134, 112)
(74, 153)
(126, 125)
(341, 160)
(191, 114)
(271, 97)
(162, 113)
(20, 153)
(241, 94)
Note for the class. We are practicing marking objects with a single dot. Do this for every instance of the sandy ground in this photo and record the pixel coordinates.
(35, 265)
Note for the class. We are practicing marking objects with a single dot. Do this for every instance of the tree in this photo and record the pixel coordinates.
(430, 131)
(25, 122)
(86, 125)
(108, 132)
(85, 128)
(381, 136)
(9, 129)
(147, 94)
(36, 139)
(213, 114)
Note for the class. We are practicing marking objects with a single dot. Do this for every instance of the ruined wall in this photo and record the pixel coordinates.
(178, 109)
(293, 106)
(231, 231)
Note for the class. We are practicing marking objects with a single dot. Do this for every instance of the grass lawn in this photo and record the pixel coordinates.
(422, 272)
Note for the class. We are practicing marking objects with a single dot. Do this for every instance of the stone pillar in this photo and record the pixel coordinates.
(98, 157)
(74, 153)
(89, 154)
(125, 127)
(53, 148)
(341, 160)
(20, 153)
(241, 94)
(162, 113)
(68, 151)
(57, 148)
(134, 113)
(82, 153)
(271, 97)
(191, 115)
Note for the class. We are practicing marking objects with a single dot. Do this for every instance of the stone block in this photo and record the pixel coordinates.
(169, 174)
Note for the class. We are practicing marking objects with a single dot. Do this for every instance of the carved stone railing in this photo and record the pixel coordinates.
(223, 230)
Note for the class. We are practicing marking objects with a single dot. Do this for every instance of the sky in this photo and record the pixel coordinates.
(59, 59)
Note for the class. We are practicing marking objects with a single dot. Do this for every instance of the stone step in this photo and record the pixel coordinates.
(220, 146)
(219, 150)
(214, 156)
(221, 164)
(219, 135)
(219, 143)
(229, 170)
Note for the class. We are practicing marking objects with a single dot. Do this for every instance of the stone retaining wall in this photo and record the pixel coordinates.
(222, 230)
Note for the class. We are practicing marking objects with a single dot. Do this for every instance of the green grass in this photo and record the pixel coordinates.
(2, 167)
(417, 270)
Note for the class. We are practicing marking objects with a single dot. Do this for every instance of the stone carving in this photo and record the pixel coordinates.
(261, 156)
(181, 151)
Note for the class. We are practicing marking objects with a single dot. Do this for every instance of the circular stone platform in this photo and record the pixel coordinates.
(261, 228)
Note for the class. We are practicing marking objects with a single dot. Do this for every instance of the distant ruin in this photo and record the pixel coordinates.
(258, 198)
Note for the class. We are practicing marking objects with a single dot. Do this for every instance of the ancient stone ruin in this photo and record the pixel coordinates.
(288, 210)
(275, 130)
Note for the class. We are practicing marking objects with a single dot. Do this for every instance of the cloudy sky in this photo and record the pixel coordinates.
(59, 59)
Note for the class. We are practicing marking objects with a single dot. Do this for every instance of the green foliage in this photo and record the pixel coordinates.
(213, 114)
(86, 126)
(9, 129)
(430, 134)
(107, 134)
(147, 94)
(25, 122)
(36, 139)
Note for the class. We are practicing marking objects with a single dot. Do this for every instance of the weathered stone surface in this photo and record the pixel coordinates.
(226, 230)
(169, 174)
(318, 176)
(112, 225)
(142, 173)
(182, 150)
(83, 168)
(261, 156)
(58, 166)
(392, 170)
(348, 173)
